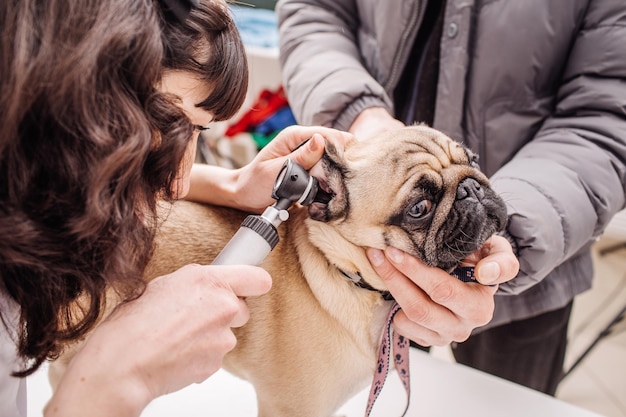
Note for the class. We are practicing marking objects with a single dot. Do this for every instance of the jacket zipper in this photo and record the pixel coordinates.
(409, 34)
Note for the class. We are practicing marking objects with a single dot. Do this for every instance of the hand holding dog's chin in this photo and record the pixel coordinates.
(438, 309)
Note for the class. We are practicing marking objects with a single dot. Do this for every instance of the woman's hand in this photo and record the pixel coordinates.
(250, 188)
(437, 308)
(256, 179)
(173, 335)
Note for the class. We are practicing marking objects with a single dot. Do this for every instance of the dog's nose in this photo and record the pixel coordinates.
(469, 188)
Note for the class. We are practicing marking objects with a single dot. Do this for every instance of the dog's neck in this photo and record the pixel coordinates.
(326, 260)
(339, 252)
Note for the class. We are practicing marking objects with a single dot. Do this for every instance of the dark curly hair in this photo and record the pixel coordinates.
(88, 144)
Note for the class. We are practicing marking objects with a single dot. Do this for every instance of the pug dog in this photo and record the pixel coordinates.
(312, 341)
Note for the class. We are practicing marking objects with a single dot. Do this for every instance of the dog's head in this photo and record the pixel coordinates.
(414, 189)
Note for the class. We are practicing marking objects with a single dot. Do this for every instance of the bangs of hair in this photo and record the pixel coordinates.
(210, 46)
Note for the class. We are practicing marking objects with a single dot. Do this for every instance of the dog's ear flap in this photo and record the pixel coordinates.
(332, 186)
(331, 149)
(335, 157)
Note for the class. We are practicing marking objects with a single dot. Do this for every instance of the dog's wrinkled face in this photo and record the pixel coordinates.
(414, 189)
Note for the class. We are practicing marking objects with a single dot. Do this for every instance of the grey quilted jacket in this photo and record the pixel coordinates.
(537, 88)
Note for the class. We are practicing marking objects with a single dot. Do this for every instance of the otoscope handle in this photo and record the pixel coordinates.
(254, 240)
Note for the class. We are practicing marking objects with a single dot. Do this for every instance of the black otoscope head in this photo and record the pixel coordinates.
(294, 184)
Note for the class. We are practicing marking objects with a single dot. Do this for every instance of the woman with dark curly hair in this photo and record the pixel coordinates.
(101, 103)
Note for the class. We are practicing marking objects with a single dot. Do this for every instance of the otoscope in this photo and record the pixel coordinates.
(257, 235)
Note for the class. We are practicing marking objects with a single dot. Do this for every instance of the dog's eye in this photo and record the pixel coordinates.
(421, 209)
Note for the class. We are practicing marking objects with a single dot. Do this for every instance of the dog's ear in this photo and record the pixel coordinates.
(331, 149)
(334, 159)
(332, 191)
(335, 155)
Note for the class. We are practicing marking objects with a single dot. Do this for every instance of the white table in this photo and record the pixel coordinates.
(438, 389)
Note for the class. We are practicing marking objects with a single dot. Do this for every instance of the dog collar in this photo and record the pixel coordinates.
(358, 280)
(462, 273)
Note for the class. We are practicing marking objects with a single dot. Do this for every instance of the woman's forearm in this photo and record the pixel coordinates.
(214, 185)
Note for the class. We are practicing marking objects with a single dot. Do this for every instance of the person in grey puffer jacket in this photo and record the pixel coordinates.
(536, 88)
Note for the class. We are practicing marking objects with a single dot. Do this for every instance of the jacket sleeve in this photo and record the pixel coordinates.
(569, 180)
(323, 76)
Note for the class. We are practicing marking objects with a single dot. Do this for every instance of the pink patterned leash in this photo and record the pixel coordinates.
(400, 351)
(401, 359)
